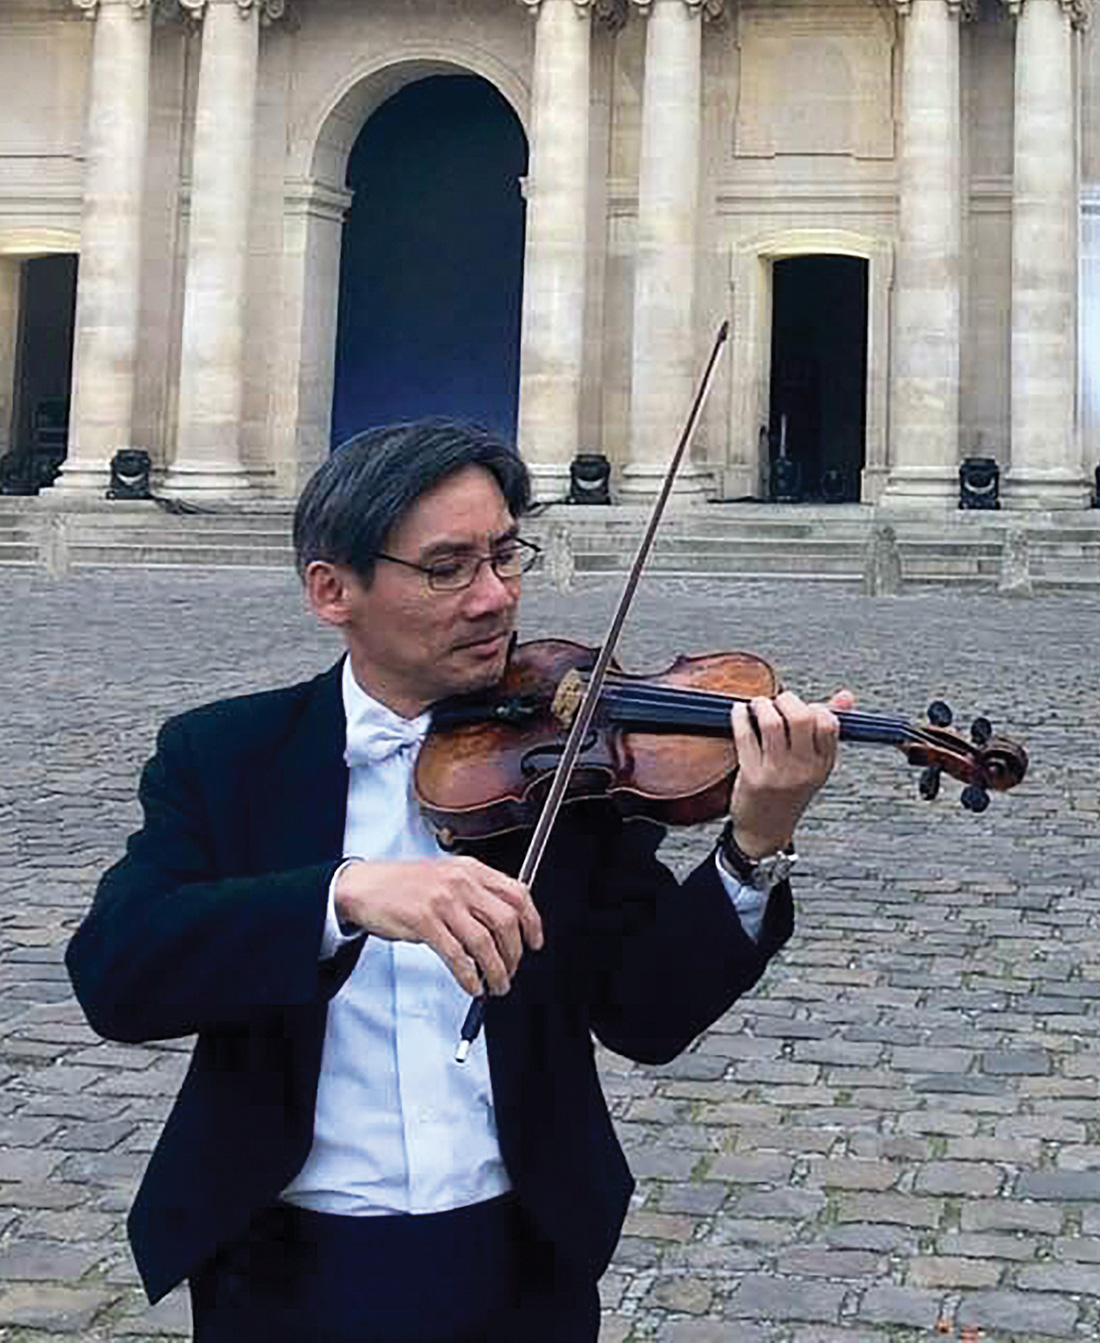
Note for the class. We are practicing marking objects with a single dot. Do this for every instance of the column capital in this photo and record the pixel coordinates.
(964, 9)
(709, 9)
(581, 6)
(137, 7)
(269, 10)
(1079, 12)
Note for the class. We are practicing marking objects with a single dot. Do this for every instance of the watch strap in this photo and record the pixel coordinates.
(763, 874)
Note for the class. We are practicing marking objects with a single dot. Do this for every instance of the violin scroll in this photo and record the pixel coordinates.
(985, 763)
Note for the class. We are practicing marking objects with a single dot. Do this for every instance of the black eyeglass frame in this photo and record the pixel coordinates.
(531, 555)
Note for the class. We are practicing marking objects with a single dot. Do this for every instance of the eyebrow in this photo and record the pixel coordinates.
(439, 549)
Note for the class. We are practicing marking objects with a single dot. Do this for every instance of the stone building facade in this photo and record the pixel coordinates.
(689, 161)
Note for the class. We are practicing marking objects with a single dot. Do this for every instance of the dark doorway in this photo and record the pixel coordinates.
(818, 378)
(43, 374)
(432, 267)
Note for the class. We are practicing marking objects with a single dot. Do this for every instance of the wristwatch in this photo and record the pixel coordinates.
(762, 874)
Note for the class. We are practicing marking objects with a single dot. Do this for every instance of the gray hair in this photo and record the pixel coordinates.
(354, 498)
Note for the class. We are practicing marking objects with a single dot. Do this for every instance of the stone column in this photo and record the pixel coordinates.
(663, 364)
(313, 222)
(555, 257)
(208, 458)
(108, 279)
(1046, 469)
(927, 327)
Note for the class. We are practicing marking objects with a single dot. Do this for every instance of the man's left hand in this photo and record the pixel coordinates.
(786, 750)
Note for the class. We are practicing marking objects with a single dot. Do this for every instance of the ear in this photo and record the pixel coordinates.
(328, 588)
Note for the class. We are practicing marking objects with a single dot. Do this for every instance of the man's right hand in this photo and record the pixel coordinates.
(474, 918)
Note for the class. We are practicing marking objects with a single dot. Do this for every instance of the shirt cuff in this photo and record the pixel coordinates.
(333, 937)
(749, 903)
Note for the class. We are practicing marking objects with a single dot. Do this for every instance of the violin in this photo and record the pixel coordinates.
(659, 746)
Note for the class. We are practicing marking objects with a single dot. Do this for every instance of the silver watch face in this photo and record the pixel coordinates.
(772, 870)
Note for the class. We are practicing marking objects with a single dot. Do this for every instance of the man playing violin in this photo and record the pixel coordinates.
(329, 1172)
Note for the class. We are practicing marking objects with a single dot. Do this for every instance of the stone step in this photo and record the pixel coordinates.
(1058, 550)
(176, 536)
(1064, 583)
(746, 575)
(786, 561)
(1067, 535)
(708, 546)
(827, 549)
(820, 543)
(207, 556)
(932, 566)
(18, 552)
(703, 527)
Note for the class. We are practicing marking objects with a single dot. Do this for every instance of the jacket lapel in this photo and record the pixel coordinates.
(302, 800)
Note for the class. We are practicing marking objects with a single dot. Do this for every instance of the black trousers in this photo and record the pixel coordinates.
(475, 1275)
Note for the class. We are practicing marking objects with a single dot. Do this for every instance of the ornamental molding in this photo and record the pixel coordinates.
(967, 10)
(709, 9)
(269, 10)
(581, 6)
(611, 14)
(89, 8)
(317, 200)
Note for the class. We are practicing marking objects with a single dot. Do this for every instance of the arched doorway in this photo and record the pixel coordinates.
(817, 416)
(431, 267)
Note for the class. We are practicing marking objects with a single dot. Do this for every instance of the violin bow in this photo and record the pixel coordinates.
(574, 742)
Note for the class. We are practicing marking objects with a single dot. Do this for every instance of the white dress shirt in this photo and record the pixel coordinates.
(399, 1126)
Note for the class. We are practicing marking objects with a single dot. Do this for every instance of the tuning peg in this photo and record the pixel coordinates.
(939, 714)
(974, 797)
(981, 729)
(929, 784)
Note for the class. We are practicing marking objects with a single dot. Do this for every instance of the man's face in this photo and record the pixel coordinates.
(410, 645)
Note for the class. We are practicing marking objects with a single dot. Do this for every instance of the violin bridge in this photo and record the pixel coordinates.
(567, 698)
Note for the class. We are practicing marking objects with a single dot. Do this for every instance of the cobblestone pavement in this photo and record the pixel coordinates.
(895, 1137)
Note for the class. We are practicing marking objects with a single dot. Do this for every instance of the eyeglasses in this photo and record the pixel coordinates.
(508, 560)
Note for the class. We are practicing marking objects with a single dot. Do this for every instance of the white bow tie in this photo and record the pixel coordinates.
(371, 740)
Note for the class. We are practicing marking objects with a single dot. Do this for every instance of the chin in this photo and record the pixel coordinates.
(485, 678)
(481, 677)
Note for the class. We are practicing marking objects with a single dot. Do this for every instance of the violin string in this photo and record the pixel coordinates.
(656, 698)
(707, 704)
(670, 697)
(659, 697)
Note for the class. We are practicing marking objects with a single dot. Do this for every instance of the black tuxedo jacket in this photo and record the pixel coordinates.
(211, 925)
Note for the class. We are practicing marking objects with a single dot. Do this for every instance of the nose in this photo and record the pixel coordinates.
(489, 592)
